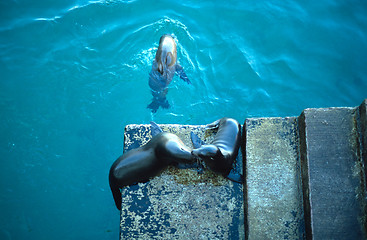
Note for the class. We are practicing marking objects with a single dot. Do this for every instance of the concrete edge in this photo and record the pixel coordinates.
(244, 172)
(361, 125)
(305, 175)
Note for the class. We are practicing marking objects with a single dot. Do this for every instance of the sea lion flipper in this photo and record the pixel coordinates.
(182, 74)
(155, 129)
(116, 193)
(158, 102)
(196, 141)
(235, 177)
(153, 106)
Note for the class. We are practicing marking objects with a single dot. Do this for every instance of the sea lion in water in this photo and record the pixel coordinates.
(222, 152)
(163, 70)
(140, 164)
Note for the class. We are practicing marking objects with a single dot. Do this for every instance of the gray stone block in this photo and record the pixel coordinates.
(331, 174)
(273, 189)
(181, 203)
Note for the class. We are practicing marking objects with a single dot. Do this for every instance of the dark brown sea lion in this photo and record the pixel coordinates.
(220, 155)
(164, 67)
(143, 163)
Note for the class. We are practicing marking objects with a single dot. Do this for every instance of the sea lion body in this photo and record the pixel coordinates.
(143, 163)
(222, 152)
(163, 70)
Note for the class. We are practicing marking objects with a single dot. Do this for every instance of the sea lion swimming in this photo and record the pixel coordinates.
(164, 67)
(145, 162)
(222, 152)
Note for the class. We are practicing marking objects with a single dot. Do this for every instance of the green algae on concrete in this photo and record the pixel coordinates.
(274, 194)
(181, 203)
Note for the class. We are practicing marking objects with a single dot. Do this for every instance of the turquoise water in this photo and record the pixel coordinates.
(73, 74)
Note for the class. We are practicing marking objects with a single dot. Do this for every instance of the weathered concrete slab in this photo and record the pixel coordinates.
(181, 203)
(274, 194)
(332, 178)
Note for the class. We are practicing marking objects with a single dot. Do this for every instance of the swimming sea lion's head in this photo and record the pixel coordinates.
(166, 55)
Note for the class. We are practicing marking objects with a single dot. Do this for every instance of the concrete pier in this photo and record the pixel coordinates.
(181, 203)
(305, 178)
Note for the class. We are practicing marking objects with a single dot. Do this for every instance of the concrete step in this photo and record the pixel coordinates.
(305, 179)
(274, 208)
(332, 171)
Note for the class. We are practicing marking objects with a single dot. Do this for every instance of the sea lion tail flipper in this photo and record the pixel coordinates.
(182, 74)
(235, 177)
(154, 105)
(117, 197)
(213, 125)
(164, 103)
(196, 141)
(116, 193)
(155, 129)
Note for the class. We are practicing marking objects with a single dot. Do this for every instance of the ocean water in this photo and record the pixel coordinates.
(74, 73)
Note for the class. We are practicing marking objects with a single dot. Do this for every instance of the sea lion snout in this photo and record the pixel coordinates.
(177, 150)
(205, 151)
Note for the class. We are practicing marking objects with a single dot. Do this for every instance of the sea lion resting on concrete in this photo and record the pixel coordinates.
(140, 164)
(164, 67)
(220, 155)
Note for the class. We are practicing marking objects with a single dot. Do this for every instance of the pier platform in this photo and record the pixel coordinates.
(305, 178)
